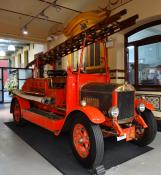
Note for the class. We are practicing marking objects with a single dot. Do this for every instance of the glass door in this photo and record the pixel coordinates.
(10, 79)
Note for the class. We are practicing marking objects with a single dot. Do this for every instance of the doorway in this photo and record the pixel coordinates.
(12, 78)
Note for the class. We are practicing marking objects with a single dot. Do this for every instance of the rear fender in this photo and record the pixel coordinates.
(146, 103)
(24, 104)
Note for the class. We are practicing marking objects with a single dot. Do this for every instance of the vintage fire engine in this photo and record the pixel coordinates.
(86, 104)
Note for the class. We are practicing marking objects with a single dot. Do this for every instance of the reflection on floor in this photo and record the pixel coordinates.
(17, 157)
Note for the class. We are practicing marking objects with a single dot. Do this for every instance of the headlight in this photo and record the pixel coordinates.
(113, 112)
(141, 107)
(83, 103)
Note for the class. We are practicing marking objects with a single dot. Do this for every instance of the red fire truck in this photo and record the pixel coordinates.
(86, 104)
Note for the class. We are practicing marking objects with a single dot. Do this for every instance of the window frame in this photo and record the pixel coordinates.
(149, 40)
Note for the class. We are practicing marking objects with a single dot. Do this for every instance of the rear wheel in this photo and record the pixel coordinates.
(17, 113)
(87, 142)
(147, 135)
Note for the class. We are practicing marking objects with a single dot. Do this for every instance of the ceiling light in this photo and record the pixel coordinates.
(24, 30)
(11, 48)
(2, 53)
(52, 38)
(42, 13)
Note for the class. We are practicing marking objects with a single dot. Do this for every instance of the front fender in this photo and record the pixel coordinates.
(93, 114)
(145, 102)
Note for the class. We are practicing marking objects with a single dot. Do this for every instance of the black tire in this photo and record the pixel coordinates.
(150, 132)
(96, 150)
(19, 121)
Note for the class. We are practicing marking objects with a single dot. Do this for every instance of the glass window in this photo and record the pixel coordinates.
(0, 85)
(148, 32)
(97, 54)
(92, 55)
(0, 73)
(144, 58)
(131, 62)
(149, 64)
(21, 82)
(25, 73)
(0, 96)
(19, 60)
(26, 61)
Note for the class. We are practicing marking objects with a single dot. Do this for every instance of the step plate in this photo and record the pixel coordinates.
(46, 114)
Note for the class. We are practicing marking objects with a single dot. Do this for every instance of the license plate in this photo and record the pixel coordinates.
(121, 137)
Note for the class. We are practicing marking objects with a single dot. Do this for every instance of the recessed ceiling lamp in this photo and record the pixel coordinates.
(52, 38)
(24, 30)
(2, 53)
(11, 48)
(42, 13)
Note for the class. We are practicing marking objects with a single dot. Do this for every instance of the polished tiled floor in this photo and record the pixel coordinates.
(18, 158)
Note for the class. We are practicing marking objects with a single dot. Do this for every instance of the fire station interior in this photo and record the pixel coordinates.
(80, 87)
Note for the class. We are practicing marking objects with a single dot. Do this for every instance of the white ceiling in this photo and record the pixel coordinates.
(12, 23)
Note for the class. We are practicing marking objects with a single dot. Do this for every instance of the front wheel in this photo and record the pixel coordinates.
(146, 136)
(87, 142)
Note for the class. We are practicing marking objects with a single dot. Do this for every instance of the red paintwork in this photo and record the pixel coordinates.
(89, 111)
(130, 133)
(81, 140)
(51, 125)
(17, 112)
(146, 103)
(67, 100)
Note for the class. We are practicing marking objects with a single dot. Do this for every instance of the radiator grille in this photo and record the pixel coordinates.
(125, 105)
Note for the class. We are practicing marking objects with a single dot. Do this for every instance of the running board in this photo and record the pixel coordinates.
(47, 120)
(46, 114)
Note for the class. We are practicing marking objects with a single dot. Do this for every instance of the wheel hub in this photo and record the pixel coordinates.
(81, 140)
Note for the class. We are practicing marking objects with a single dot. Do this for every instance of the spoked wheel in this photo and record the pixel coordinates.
(147, 135)
(87, 142)
(17, 113)
(81, 140)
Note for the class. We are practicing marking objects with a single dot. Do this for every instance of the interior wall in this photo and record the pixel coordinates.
(32, 50)
(116, 53)
(148, 10)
